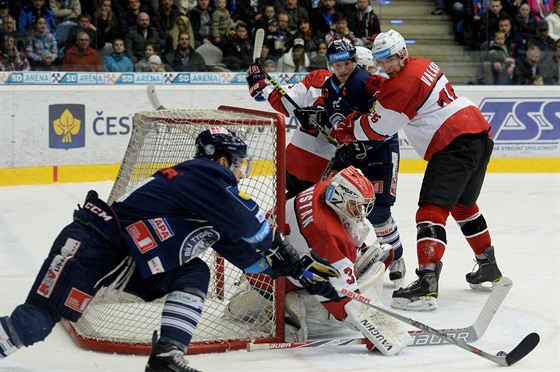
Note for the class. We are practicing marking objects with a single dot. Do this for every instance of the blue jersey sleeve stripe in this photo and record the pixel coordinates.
(263, 232)
(258, 267)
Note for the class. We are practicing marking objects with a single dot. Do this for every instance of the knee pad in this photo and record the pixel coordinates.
(431, 237)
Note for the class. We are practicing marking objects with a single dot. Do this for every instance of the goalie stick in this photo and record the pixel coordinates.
(502, 358)
(420, 338)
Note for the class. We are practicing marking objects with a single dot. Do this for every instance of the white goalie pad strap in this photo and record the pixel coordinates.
(374, 253)
(388, 336)
(372, 279)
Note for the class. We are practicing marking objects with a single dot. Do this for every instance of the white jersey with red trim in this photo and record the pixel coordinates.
(421, 100)
(312, 225)
(308, 152)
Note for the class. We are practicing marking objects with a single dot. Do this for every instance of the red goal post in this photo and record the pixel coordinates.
(118, 322)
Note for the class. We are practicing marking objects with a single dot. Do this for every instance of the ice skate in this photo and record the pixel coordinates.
(397, 271)
(167, 357)
(420, 295)
(487, 272)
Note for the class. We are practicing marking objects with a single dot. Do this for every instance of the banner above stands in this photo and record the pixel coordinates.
(125, 78)
(79, 122)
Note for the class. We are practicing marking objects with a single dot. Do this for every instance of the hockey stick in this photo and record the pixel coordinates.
(420, 338)
(259, 40)
(502, 358)
(152, 96)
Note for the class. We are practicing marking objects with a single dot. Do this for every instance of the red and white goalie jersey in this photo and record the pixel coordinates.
(312, 225)
(421, 100)
(308, 152)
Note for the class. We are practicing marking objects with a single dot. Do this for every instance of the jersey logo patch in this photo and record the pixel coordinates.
(155, 265)
(197, 242)
(141, 236)
(78, 300)
(162, 228)
(57, 265)
(242, 197)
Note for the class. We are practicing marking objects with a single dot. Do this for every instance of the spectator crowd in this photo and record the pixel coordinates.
(518, 39)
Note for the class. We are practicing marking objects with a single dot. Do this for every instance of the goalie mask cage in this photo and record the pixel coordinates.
(118, 322)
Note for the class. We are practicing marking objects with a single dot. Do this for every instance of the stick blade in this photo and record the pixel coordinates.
(525, 347)
(259, 40)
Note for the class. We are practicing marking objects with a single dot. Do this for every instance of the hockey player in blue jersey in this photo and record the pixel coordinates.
(151, 237)
(343, 94)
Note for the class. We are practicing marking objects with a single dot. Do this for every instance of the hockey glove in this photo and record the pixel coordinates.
(316, 274)
(309, 117)
(283, 258)
(373, 85)
(256, 81)
(344, 131)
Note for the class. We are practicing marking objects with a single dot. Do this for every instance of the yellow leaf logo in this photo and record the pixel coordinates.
(67, 126)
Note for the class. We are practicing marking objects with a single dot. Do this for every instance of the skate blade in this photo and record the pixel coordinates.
(424, 303)
(483, 287)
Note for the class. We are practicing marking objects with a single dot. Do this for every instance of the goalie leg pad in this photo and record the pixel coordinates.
(247, 304)
(384, 332)
(296, 326)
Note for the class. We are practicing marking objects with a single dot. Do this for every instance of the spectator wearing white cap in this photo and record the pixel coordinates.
(155, 64)
(295, 60)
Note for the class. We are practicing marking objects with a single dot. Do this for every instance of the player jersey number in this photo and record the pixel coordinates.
(349, 271)
(446, 95)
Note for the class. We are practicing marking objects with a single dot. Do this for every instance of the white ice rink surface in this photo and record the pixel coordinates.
(522, 212)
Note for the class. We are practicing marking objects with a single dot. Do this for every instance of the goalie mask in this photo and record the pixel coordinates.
(219, 141)
(350, 194)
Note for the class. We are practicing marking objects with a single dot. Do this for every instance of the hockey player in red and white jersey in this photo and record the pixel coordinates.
(309, 152)
(329, 219)
(452, 135)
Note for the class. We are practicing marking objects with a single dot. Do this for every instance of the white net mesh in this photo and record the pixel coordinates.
(119, 322)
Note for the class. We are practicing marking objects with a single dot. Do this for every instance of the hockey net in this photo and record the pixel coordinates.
(118, 322)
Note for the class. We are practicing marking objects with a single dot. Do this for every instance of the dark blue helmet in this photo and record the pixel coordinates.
(340, 50)
(218, 141)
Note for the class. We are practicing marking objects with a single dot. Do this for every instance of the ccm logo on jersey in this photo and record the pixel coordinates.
(97, 211)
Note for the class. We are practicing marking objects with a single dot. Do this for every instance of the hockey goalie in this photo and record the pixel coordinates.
(329, 219)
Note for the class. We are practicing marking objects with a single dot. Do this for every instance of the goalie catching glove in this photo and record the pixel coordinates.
(256, 81)
(310, 117)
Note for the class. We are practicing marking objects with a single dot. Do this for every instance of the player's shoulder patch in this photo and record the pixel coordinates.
(242, 197)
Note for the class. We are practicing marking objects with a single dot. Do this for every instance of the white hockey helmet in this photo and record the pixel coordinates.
(365, 60)
(350, 194)
(387, 44)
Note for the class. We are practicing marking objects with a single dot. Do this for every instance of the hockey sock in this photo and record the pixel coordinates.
(180, 316)
(474, 228)
(388, 233)
(431, 237)
(29, 324)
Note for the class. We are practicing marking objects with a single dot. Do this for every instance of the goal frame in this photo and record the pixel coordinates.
(220, 345)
